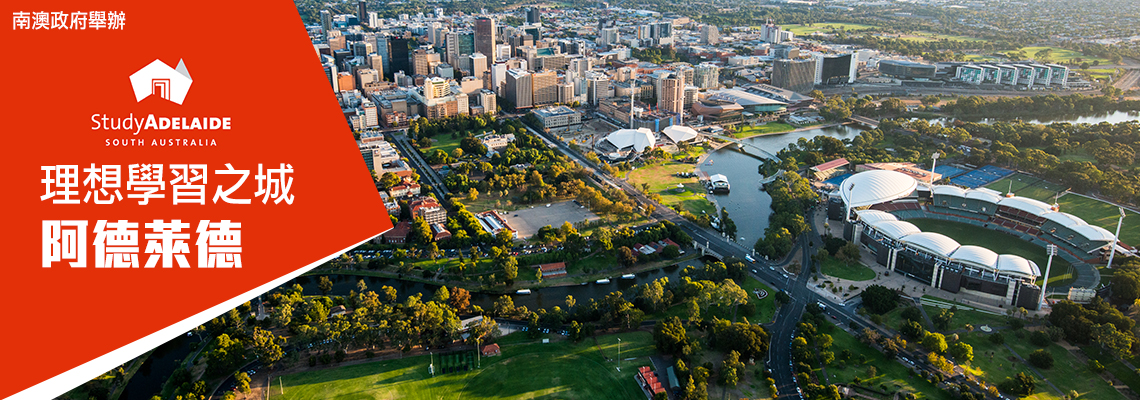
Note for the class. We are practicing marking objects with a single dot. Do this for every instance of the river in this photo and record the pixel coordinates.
(747, 204)
(1112, 118)
(148, 381)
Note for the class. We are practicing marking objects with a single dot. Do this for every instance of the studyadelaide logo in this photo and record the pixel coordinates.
(159, 80)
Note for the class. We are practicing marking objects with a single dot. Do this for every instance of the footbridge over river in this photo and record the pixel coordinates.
(747, 148)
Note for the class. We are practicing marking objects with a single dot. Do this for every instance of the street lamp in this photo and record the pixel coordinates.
(1115, 238)
(619, 355)
(933, 165)
(1052, 250)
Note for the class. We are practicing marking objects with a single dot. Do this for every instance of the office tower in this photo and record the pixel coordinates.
(331, 73)
(485, 37)
(420, 63)
(706, 76)
(598, 87)
(487, 100)
(478, 64)
(398, 48)
(535, 31)
(517, 88)
(662, 30)
(326, 22)
(361, 49)
(374, 19)
(436, 87)
(435, 33)
(671, 97)
(445, 70)
(533, 15)
(439, 12)
(608, 36)
(544, 85)
(498, 75)
(565, 92)
(709, 34)
(375, 62)
(833, 69)
(361, 11)
(795, 75)
(385, 55)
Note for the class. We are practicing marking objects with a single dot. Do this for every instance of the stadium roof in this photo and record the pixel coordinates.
(935, 243)
(896, 229)
(988, 195)
(1012, 264)
(1035, 207)
(1065, 219)
(979, 256)
(949, 190)
(876, 186)
(679, 133)
(871, 216)
(743, 98)
(1093, 232)
(639, 138)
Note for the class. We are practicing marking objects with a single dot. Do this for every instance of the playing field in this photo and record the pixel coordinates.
(562, 370)
(1062, 56)
(1027, 186)
(827, 26)
(1104, 215)
(755, 130)
(1002, 244)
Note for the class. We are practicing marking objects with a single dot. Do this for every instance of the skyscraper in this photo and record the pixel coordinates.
(795, 75)
(518, 88)
(326, 22)
(485, 37)
(710, 34)
(385, 55)
(706, 76)
(478, 64)
(362, 12)
(533, 15)
(398, 48)
(544, 85)
(672, 96)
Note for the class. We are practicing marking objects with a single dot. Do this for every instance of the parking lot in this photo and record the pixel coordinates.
(528, 221)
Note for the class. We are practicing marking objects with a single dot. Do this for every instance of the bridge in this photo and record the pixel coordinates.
(859, 119)
(748, 148)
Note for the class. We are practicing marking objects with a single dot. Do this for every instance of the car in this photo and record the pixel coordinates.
(749, 258)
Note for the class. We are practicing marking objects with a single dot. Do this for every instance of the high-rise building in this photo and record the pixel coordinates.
(608, 36)
(772, 33)
(517, 88)
(326, 22)
(374, 19)
(671, 97)
(533, 15)
(361, 49)
(706, 76)
(487, 101)
(710, 34)
(445, 70)
(478, 64)
(375, 62)
(398, 48)
(831, 69)
(420, 63)
(544, 85)
(331, 73)
(385, 55)
(795, 75)
(485, 37)
(361, 11)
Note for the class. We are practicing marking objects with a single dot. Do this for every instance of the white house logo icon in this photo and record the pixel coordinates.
(160, 80)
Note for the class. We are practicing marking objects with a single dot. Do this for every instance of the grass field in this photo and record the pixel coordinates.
(442, 142)
(765, 309)
(1116, 367)
(1104, 215)
(983, 58)
(1027, 186)
(965, 315)
(1062, 56)
(994, 363)
(827, 26)
(1096, 74)
(1001, 243)
(562, 370)
(888, 372)
(755, 130)
(931, 36)
(663, 181)
(854, 271)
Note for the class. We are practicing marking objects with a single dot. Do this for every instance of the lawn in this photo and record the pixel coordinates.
(562, 370)
(1068, 373)
(890, 373)
(967, 234)
(994, 363)
(1105, 215)
(1117, 368)
(1062, 56)
(854, 271)
(1027, 186)
(931, 36)
(768, 128)
(1095, 74)
(800, 30)
(983, 58)
(964, 315)
(442, 142)
(893, 319)
(663, 181)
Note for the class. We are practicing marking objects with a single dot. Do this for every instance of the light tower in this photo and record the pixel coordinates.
(1052, 250)
(1115, 238)
(934, 164)
(619, 355)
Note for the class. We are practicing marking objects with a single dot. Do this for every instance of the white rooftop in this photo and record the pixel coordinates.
(639, 138)
(876, 186)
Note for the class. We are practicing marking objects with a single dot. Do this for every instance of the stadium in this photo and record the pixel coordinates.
(874, 204)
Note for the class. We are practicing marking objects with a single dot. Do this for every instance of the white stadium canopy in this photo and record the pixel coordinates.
(876, 186)
(639, 139)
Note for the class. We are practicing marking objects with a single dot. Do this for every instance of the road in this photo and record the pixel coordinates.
(425, 170)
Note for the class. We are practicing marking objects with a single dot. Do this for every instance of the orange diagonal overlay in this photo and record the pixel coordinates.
(213, 83)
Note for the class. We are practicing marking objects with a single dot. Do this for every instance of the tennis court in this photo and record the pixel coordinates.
(981, 176)
(948, 171)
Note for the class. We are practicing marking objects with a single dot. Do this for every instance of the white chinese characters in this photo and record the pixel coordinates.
(73, 21)
(187, 184)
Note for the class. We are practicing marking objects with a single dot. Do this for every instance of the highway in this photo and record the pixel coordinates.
(418, 163)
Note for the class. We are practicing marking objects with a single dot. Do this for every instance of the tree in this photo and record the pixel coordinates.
(472, 194)
(1021, 384)
(225, 355)
(669, 335)
(441, 295)
(242, 380)
(879, 299)
(1113, 341)
(388, 180)
(997, 338)
(282, 315)
(1041, 359)
(504, 306)
(325, 285)
(849, 252)
(962, 352)
(934, 342)
(267, 346)
(912, 329)
(943, 318)
(626, 256)
(460, 298)
(693, 311)
(421, 231)
(510, 267)
(816, 94)
(931, 100)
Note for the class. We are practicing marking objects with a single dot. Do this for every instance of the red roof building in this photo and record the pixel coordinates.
(823, 172)
(553, 269)
(491, 350)
(398, 234)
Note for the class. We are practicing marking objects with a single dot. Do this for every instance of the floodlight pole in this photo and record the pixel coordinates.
(1115, 238)
(478, 355)
(1052, 250)
(933, 166)
(619, 355)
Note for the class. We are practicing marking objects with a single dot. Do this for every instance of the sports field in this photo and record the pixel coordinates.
(562, 370)
(827, 26)
(768, 128)
(1027, 186)
(1062, 56)
(1002, 244)
(1104, 215)
(663, 181)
